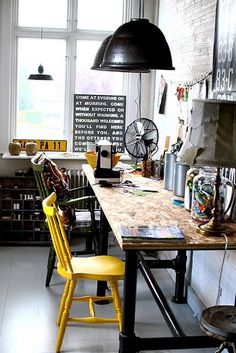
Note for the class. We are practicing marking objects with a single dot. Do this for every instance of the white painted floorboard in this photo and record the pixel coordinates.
(28, 309)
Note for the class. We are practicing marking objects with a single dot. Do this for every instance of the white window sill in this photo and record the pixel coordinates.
(58, 155)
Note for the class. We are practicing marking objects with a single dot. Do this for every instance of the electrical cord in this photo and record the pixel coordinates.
(219, 290)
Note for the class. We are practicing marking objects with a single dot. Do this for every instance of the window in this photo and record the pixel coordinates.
(34, 13)
(63, 36)
(40, 104)
(88, 17)
(66, 47)
(93, 81)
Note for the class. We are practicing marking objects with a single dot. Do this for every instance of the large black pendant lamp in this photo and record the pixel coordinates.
(136, 46)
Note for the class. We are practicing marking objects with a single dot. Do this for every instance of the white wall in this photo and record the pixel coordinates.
(189, 29)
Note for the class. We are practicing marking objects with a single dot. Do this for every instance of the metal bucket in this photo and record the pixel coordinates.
(180, 171)
(169, 162)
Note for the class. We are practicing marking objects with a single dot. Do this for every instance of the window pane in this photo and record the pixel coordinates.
(100, 15)
(40, 104)
(43, 13)
(92, 81)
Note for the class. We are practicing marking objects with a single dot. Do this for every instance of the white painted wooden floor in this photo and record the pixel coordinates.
(28, 310)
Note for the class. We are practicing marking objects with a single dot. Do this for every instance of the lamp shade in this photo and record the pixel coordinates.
(97, 64)
(40, 75)
(100, 53)
(137, 46)
(211, 137)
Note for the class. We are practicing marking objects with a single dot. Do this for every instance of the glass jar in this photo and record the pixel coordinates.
(203, 194)
(191, 173)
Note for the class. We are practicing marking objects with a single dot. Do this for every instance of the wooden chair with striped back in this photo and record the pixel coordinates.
(76, 219)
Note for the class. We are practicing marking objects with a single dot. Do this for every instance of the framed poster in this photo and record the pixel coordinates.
(224, 55)
(98, 117)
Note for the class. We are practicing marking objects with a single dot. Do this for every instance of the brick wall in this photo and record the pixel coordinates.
(189, 29)
(188, 26)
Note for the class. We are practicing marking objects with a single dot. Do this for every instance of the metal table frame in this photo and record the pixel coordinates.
(134, 261)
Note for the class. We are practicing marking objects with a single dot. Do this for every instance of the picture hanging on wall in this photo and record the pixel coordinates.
(224, 55)
(161, 97)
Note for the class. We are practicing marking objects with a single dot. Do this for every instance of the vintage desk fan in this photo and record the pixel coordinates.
(141, 138)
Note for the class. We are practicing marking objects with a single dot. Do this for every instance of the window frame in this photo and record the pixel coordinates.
(10, 33)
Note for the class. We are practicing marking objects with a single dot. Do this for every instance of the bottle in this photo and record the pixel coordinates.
(191, 173)
(203, 194)
(148, 168)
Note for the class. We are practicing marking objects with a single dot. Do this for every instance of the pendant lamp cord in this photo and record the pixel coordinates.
(141, 9)
(138, 100)
(140, 95)
(41, 47)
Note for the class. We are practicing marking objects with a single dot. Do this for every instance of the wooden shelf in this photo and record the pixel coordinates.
(22, 220)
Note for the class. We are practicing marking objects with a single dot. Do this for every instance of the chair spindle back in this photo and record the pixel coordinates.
(57, 232)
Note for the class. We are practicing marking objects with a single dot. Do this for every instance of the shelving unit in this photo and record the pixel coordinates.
(22, 219)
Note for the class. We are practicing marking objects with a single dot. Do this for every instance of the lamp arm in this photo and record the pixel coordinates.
(217, 213)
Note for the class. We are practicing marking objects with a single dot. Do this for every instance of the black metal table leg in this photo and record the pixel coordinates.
(180, 270)
(102, 248)
(159, 297)
(129, 342)
(127, 336)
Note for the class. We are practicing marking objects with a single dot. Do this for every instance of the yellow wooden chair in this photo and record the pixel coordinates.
(97, 268)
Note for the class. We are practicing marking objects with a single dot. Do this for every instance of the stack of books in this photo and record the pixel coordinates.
(143, 232)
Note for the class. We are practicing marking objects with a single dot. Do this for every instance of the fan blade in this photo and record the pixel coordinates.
(136, 148)
(139, 127)
(140, 149)
(149, 135)
(131, 142)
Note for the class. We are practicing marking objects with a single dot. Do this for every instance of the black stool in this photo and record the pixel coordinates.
(220, 323)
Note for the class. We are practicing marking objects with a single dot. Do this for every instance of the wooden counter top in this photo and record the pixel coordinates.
(155, 208)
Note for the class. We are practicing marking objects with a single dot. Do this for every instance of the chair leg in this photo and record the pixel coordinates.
(65, 315)
(89, 242)
(62, 304)
(230, 346)
(117, 302)
(51, 265)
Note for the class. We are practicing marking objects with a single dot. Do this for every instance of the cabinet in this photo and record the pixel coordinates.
(22, 220)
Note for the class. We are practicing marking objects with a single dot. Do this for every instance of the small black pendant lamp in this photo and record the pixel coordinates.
(40, 75)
